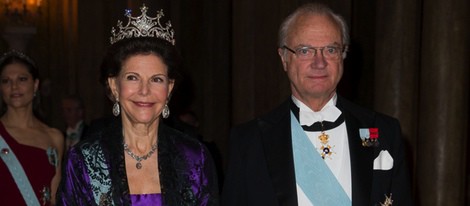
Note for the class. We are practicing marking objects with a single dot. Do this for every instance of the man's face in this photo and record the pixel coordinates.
(315, 77)
(72, 112)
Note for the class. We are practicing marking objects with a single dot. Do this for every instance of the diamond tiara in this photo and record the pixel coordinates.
(143, 26)
(17, 54)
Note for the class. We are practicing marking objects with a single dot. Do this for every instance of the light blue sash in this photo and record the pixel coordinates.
(18, 174)
(311, 172)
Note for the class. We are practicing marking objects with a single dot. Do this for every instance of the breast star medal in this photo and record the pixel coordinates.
(388, 201)
(325, 147)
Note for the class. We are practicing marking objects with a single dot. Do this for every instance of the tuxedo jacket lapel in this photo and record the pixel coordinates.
(277, 144)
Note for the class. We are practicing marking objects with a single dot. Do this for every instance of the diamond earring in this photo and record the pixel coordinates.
(116, 109)
(166, 111)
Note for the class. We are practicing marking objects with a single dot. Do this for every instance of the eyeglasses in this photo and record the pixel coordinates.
(306, 53)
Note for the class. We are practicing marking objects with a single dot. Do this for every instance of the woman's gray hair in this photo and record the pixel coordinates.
(313, 8)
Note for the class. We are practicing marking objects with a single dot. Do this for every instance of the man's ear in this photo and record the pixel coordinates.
(282, 54)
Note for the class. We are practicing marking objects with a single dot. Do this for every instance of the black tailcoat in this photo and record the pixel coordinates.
(261, 166)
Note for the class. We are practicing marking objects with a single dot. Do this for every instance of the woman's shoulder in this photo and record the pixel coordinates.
(182, 147)
(53, 133)
(179, 142)
(177, 137)
(56, 139)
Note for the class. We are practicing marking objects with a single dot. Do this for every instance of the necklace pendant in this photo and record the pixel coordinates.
(138, 165)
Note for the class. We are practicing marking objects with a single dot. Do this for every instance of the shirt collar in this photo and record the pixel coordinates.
(307, 116)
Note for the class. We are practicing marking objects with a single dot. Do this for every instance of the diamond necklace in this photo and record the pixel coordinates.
(138, 165)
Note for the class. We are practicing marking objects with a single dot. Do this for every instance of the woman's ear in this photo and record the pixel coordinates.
(36, 85)
(113, 87)
(171, 85)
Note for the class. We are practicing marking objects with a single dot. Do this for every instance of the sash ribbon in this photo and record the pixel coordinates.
(311, 172)
(18, 174)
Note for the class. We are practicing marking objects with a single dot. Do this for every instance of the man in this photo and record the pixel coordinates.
(73, 111)
(343, 155)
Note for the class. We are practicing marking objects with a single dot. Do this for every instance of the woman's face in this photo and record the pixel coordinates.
(18, 85)
(142, 88)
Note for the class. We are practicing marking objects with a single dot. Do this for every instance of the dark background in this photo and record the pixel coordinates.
(408, 59)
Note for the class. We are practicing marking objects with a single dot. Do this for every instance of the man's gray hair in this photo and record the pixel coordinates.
(313, 8)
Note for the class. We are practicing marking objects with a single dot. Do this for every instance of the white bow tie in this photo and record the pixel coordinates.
(328, 113)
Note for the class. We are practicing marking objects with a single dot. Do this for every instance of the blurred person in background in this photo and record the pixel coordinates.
(31, 151)
(73, 111)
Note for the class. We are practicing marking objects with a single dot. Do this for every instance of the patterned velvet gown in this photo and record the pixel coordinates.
(94, 171)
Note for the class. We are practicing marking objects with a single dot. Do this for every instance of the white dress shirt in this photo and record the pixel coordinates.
(339, 160)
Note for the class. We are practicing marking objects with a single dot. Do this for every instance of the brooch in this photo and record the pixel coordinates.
(369, 137)
(52, 156)
(388, 200)
(5, 151)
(45, 195)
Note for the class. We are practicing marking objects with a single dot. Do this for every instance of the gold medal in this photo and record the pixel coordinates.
(325, 147)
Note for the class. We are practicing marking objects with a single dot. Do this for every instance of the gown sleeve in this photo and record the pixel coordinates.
(209, 195)
(74, 188)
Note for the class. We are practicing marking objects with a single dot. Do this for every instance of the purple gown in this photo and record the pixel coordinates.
(146, 199)
(94, 171)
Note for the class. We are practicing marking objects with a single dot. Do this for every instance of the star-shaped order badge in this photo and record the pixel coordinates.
(369, 137)
(388, 201)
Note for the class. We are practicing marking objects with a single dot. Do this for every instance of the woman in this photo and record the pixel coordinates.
(137, 160)
(30, 150)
